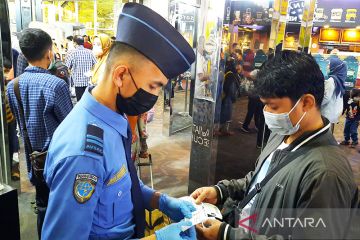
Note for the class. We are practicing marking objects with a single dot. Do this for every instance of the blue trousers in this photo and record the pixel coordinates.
(351, 130)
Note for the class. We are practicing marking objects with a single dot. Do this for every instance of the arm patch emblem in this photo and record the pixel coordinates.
(84, 186)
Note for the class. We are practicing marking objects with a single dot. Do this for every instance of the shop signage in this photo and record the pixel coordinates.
(296, 10)
(337, 13)
(187, 17)
(249, 13)
(227, 12)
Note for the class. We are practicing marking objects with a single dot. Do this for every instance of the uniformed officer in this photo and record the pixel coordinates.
(94, 190)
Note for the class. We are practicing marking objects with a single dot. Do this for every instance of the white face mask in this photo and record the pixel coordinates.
(281, 123)
(97, 51)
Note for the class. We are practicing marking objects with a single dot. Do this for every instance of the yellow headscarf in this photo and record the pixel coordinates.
(105, 45)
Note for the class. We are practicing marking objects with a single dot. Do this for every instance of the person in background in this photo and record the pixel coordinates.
(46, 102)
(101, 48)
(15, 56)
(87, 42)
(259, 59)
(22, 63)
(139, 147)
(352, 112)
(69, 43)
(332, 105)
(231, 52)
(11, 124)
(309, 173)
(80, 61)
(248, 57)
(228, 97)
(254, 107)
(238, 56)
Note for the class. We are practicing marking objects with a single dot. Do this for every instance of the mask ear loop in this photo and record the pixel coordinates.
(133, 80)
(302, 117)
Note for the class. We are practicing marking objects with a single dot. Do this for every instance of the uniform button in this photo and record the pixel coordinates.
(119, 193)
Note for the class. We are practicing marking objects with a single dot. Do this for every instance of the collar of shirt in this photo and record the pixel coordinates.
(34, 69)
(80, 47)
(113, 119)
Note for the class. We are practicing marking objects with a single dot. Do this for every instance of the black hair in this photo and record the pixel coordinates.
(35, 43)
(120, 49)
(113, 38)
(355, 92)
(70, 38)
(290, 74)
(79, 40)
(7, 63)
(230, 65)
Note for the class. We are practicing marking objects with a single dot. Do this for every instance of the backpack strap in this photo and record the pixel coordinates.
(22, 113)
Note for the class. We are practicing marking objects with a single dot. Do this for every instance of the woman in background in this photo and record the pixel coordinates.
(228, 97)
(332, 105)
(101, 48)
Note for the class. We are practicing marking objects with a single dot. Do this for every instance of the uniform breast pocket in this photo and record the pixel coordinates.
(115, 206)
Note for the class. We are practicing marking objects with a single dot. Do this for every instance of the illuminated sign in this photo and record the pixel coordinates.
(351, 36)
(330, 35)
(337, 13)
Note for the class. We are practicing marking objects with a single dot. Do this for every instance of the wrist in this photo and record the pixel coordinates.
(224, 232)
(218, 194)
(154, 202)
(163, 198)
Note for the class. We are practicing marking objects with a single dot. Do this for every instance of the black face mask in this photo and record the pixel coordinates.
(141, 102)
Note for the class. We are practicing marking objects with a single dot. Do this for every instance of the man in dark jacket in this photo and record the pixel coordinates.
(301, 176)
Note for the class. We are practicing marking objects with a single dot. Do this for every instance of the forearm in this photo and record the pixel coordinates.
(235, 188)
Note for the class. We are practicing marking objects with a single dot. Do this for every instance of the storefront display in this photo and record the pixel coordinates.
(352, 64)
(337, 13)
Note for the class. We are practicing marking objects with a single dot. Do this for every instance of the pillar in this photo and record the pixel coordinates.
(204, 145)
(306, 25)
(278, 24)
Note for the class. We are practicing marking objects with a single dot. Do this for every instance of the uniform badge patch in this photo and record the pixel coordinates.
(84, 186)
(119, 175)
(94, 139)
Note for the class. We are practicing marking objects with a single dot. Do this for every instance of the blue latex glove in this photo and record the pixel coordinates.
(174, 232)
(175, 209)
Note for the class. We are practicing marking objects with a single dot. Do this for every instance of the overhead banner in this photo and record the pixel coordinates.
(249, 13)
(337, 13)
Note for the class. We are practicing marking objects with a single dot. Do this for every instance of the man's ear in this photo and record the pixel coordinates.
(309, 102)
(119, 74)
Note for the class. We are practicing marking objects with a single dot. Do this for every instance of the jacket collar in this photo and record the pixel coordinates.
(111, 118)
(322, 136)
(313, 136)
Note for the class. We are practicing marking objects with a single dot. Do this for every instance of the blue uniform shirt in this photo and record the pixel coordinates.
(88, 177)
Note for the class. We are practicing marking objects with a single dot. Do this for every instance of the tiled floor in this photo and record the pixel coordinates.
(171, 162)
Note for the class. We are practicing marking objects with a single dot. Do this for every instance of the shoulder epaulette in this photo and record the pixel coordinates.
(94, 141)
